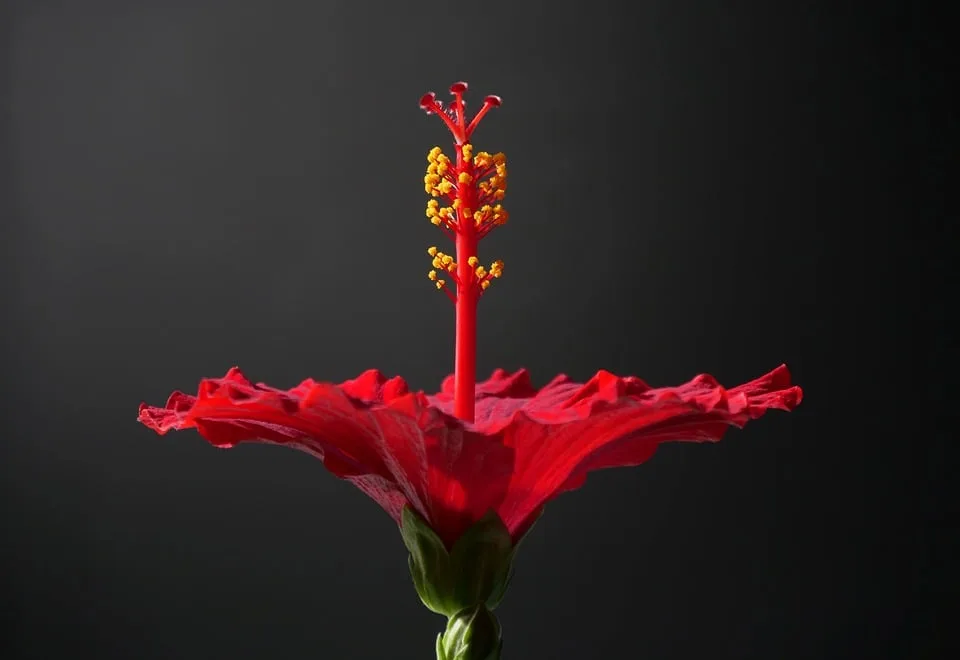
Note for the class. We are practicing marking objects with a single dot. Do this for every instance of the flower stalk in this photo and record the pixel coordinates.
(473, 634)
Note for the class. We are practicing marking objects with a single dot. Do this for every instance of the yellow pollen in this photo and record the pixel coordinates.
(446, 260)
(440, 283)
(437, 262)
(445, 187)
(456, 203)
(435, 220)
(484, 284)
(432, 251)
(433, 153)
(472, 262)
(464, 178)
(467, 151)
(432, 275)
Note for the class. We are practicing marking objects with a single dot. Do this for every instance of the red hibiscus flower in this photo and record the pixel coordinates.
(524, 448)
(466, 471)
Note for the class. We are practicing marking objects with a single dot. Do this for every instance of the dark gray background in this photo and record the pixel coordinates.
(695, 186)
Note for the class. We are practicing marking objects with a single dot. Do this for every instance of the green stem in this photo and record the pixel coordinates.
(471, 634)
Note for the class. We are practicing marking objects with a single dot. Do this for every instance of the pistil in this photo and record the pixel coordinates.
(472, 185)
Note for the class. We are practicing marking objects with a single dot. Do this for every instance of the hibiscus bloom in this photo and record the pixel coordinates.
(466, 471)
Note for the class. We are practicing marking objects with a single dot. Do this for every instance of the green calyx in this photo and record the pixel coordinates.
(473, 634)
(476, 571)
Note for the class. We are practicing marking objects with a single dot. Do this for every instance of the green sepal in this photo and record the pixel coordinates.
(482, 559)
(476, 570)
(429, 562)
(503, 581)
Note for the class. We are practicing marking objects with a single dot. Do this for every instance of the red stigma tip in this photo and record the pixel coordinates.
(493, 100)
(427, 101)
(458, 87)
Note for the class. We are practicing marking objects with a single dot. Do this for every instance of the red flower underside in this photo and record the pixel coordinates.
(525, 447)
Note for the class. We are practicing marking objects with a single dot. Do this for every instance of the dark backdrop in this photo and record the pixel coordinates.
(695, 187)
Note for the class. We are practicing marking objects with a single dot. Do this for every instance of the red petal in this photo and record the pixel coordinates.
(612, 422)
(380, 450)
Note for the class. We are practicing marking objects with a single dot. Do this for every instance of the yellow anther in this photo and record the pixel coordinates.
(437, 263)
(499, 195)
(440, 283)
(432, 275)
(484, 284)
(452, 267)
(496, 268)
(456, 203)
(445, 187)
(472, 262)
(464, 178)
(467, 151)
(482, 160)
(480, 272)
(432, 168)
(433, 154)
(446, 259)
(445, 212)
(500, 158)
(432, 251)
(465, 212)
(443, 166)
(432, 179)
(435, 220)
